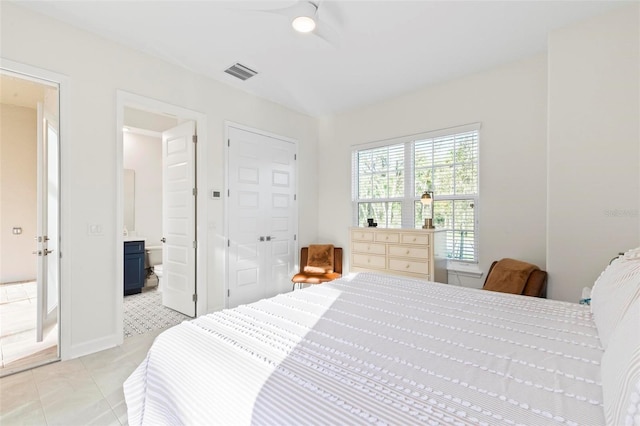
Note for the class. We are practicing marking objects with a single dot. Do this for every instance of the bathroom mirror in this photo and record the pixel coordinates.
(129, 199)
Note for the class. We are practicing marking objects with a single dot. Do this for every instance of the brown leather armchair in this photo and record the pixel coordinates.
(535, 285)
(303, 277)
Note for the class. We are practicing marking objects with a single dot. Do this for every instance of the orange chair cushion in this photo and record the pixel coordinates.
(320, 260)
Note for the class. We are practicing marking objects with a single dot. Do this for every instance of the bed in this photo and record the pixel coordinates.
(377, 349)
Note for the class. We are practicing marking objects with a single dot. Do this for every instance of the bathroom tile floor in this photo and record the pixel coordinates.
(81, 391)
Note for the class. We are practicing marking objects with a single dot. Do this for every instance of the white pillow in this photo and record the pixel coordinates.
(633, 253)
(613, 292)
(621, 371)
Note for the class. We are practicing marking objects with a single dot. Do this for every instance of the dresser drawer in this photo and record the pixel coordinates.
(409, 251)
(370, 248)
(415, 239)
(359, 235)
(366, 261)
(388, 237)
(411, 266)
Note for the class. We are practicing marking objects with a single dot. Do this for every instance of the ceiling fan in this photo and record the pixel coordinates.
(306, 17)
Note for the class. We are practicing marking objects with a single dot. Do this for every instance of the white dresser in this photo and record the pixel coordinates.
(410, 252)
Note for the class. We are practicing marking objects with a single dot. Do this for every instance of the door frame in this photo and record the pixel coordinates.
(43, 76)
(127, 99)
(296, 254)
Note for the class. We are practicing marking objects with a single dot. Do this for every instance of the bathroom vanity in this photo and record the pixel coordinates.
(134, 271)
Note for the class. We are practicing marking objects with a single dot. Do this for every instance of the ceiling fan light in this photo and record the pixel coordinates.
(303, 24)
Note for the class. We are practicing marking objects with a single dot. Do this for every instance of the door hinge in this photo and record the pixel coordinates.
(195, 297)
(295, 197)
(195, 244)
(295, 156)
(194, 138)
(228, 243)
(228, 193)
(194, 191)
(228, 293)
(228, 142)
(295, 237)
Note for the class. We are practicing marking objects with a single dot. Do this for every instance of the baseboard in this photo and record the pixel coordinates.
(95, 345)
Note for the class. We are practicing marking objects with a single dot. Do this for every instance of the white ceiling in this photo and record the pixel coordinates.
(378, 49)
(20, 92)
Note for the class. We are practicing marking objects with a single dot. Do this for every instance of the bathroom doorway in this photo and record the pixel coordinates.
(30, 217)
(150, 202)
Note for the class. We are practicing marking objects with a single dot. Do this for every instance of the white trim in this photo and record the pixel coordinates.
(143, 132)
(127, 99)
(227, 125)
(64, 297)
(418, 136)
(471, 269)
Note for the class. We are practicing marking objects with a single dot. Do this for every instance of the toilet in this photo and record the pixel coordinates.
(154, 261)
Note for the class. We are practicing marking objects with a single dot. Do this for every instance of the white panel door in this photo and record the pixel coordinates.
(48, 263)
(280, 215)
(262, 216)
(178, 219)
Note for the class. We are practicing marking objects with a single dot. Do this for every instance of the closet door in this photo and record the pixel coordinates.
(262, 216)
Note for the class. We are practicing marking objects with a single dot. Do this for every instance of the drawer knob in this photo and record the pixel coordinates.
(408, 251)
(414, 238)
(407, 266)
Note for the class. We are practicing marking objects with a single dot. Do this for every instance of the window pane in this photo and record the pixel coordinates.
(466, 177)
(443, 180)
(396, 185)
(371, 210)
(457, 218)
(379, 186)
(385, 214)
(424, 179)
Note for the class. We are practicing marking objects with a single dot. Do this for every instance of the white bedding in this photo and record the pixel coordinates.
(376, 349)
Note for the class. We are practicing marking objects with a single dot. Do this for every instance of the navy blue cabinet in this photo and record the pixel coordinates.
(134, 272)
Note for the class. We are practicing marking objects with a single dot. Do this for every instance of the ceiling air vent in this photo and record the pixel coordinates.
(240, 71)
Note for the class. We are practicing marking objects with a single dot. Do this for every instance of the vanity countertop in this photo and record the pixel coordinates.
(129, 238)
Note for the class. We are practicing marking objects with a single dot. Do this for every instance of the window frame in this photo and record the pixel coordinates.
(408, 201)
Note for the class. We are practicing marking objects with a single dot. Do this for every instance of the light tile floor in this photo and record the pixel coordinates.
(18, 346)
(82, 391)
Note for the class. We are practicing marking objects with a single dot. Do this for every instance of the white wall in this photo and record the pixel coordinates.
(18, 192)
(510, 102)
(95, 69)
(594, 92)
(143, 154)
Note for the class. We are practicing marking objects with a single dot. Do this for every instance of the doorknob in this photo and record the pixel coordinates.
(269, 238)
(163, 239)
(46, 252)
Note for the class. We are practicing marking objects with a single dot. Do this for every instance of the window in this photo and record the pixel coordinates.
(389, 178)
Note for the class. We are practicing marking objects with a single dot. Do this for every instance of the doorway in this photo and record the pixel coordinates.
(159, 157)
(30, 217)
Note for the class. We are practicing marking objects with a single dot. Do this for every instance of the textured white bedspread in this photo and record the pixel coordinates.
(376, 349)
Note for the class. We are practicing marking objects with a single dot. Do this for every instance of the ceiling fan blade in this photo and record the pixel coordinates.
(327, 33)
